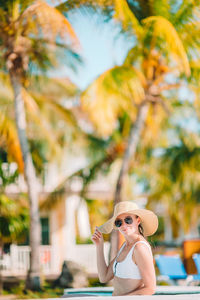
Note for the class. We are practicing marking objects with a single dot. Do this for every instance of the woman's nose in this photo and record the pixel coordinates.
(124, 224)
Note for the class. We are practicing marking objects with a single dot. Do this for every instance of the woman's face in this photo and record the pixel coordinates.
(129, 223)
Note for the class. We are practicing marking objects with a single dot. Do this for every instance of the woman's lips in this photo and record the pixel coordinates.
(125, 229)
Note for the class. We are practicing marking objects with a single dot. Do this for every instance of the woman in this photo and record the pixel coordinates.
(133, 268)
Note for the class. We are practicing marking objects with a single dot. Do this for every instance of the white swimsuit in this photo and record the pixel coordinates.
(127, 268)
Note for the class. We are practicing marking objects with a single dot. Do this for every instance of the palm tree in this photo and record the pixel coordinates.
(174, 181)
(163, 49)
(30, 34)
(45, 100)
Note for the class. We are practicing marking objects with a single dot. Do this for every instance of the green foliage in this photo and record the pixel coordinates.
(97, 147)
(13, 226)
(174, 181)
(95, 282)
(80, 240)
(159, 235)
(46, 292)
(39, 150)
(7, 174)
(14, 215)
(180, 156)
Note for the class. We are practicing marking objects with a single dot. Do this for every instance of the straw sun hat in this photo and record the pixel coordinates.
(149, 220)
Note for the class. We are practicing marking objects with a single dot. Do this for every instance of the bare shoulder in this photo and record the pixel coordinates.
(142, 247)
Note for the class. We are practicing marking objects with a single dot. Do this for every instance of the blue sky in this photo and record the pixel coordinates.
(102, 46)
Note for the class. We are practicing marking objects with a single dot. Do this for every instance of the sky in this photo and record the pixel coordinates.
(102, 46)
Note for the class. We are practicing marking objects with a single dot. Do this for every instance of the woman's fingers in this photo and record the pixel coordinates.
(97, 229)
(96, 236)
(95, 239)
(97, 233)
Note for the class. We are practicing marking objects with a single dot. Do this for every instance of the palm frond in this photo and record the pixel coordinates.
(133, 55)
(118, 89)
(4, 78)
(9, 138)
(185, 13)
(189, 34)
(40, 121)
(162, 28)
(105, 6)
(57, 88)
(44, 52)
(2, 18)
(160, 8)
(127, 18)
(42, 56)
(195, 70)
(6, 91)
(41, 16)
(156, 119)
(179, 157)
(56, 108)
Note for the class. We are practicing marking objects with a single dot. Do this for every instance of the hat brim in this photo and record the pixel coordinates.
(149, 221)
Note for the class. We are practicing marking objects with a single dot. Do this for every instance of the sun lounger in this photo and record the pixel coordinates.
(196, 258)
(172, 270)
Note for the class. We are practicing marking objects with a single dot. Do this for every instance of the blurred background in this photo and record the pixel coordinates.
(99, 103)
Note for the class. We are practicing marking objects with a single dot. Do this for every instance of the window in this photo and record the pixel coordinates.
(45, 231)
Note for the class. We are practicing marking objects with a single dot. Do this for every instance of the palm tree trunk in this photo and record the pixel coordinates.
(33, 278)
(134, 135)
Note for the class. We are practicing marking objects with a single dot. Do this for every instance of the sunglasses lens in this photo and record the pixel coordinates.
(128, 220)
(118, 223)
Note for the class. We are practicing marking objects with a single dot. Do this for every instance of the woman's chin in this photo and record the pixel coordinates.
(127, 232)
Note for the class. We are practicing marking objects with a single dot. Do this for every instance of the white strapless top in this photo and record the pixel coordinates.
(127, 268)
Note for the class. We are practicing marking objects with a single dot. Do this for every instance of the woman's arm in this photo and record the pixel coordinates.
(105, 272)
(144, 261)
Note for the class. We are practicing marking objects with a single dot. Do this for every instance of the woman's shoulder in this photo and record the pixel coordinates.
(141, 239)
(142, 245)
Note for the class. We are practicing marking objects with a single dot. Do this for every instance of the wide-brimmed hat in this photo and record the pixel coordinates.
(149, 220)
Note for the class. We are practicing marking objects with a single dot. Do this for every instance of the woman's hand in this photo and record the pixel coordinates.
(97, 237)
